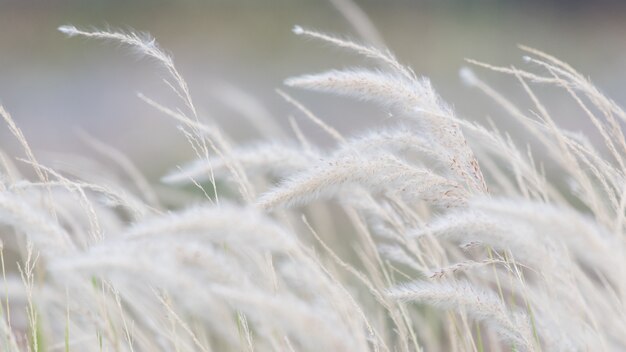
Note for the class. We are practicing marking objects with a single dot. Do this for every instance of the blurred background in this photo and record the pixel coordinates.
(56, 86)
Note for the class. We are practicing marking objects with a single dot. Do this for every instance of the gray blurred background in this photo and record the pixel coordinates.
(55, 86)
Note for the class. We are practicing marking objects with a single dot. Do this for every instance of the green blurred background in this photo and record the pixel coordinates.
(54, 85)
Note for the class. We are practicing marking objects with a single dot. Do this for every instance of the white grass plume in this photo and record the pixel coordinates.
(144, 44)
(272, 158)
(383, 56)
(481, 304)
(394, 92)
(384, 173)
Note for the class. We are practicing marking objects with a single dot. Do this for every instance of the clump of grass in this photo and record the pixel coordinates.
(431, 233)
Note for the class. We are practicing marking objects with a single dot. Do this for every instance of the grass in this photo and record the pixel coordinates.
(430, 233)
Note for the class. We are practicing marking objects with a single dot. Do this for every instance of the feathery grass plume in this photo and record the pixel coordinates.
(146, 45)
(481, 304)
(384, 173)
(33, 223)
(382, 56)
(278, 159)
(394, 92)
(402, 91)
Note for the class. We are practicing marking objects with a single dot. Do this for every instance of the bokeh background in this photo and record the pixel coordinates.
(56, 86)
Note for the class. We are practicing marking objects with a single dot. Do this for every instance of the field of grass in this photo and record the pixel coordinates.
(429, 232)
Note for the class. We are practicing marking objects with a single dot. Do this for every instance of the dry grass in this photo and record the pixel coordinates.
(432, 233)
